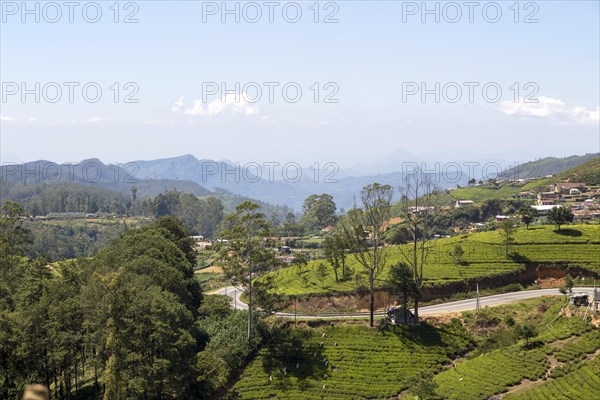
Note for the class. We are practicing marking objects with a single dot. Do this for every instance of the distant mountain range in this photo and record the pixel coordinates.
(35, 179)
(281, 185)
(287, 186)
(93, 172)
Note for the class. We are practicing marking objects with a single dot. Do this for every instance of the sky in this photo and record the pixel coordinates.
(362, 79)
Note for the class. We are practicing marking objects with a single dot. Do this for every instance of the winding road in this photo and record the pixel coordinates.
(444, 308)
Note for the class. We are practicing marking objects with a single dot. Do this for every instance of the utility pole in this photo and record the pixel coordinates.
(478, 306)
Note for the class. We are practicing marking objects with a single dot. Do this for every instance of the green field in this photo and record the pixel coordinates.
(349, 361)
(480, 194)
(578, 348)
(485, 256)
(471, 360)
(491, 373)
(582, 382)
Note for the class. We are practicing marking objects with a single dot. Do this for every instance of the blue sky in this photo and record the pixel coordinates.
(370, 55)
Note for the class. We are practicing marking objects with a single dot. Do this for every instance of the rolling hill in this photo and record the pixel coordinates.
(484, 257)
(588, 173)
(92, 178)
(546, 166)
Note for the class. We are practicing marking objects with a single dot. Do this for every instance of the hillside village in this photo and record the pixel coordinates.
(582, 199)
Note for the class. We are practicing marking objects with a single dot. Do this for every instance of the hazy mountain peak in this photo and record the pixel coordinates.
(187, 157)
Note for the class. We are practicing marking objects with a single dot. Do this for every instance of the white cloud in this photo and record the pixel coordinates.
(551, 109)
(157, 122)
(310, 122)
(217, 107)
(6, 118)
(32, 119)
(178, 105)
(95, 120)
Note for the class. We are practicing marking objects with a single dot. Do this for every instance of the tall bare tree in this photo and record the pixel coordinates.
(418, 207)
(364, 229)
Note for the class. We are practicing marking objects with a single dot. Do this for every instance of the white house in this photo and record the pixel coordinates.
(544, 209)
(463, 203)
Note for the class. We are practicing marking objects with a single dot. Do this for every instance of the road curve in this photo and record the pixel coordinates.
(444, 308)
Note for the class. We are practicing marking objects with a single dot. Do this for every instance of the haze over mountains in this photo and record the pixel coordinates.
(287, 184)
(93, 172)
(283, 184)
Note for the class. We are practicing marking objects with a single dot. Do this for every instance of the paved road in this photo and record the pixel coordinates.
(453, 306)
(235, 294)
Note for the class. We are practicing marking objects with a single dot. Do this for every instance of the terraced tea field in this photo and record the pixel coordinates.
(349, 361)
(484, 253)
(495, 372)
(580, 383)
(581, 347)
(491, 373)
(480, 194)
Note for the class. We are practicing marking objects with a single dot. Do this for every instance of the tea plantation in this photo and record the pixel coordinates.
(492, 373)
(484, 256)
(349, 361)
(495, 372)
(581, 383)
(472, 359)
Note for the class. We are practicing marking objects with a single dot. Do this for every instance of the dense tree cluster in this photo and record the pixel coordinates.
(200, 216)
(126, 324)
(71, 240)
(45, 198)
(75, 238)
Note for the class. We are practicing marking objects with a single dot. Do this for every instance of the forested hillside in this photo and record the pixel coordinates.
(84, 218)
(545, 166)
(128, 323)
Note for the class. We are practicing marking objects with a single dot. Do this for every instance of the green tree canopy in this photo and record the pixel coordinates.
(318, 211)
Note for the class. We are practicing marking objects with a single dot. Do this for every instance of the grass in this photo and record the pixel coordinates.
(588, 172)
(312, 240)
(211, 280)
(485, 256)
(546, 234)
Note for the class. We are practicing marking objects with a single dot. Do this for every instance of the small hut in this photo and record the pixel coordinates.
(400, 316)
(579, 299)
